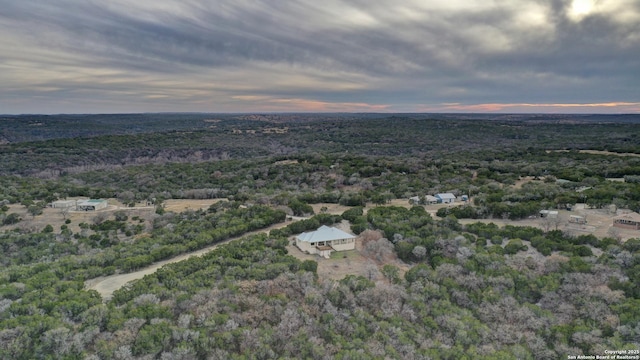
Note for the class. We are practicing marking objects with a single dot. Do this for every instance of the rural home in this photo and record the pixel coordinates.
(325, 240)
(445, 198)
(92, 205)
(627, 221)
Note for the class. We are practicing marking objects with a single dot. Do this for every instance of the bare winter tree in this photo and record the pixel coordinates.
(550, 222)
(371, 270)
(614, 232)
(64, 211)
(100, 218)
(419, 252)
(380, 250)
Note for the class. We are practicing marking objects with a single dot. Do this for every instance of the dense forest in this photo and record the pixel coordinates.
(446, 284)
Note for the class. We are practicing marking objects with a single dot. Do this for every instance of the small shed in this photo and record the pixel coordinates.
(577, 219)
(548, 214)
(430, 200)
(627, 221)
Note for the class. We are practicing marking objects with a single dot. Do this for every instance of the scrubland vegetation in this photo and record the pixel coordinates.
(473, 290)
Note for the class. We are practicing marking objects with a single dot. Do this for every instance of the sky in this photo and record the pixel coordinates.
(506, 56)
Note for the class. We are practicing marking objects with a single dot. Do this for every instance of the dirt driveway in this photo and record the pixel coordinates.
(106, 285)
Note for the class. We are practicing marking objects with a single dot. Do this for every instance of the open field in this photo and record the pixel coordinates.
(57, 217)
(179, 205)
(602, 152)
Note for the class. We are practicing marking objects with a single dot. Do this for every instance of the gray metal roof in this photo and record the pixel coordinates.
(446, 196)
(324, 233)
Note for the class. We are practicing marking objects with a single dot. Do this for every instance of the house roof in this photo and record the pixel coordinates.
(446, 196)
(632, 216)
(324, 233)
(92, 202)
(431, 198)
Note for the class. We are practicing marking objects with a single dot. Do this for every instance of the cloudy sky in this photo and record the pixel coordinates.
(113, 56)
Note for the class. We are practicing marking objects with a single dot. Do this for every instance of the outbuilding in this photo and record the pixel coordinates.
(92, 204)
(577, 219)
(445, 198)
(548, 214)
(430, 200)
(63, 204)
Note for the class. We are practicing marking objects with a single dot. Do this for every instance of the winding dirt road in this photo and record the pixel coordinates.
(106, 285)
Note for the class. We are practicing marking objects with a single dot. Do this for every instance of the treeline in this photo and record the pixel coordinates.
(188, 140)
(26, 128)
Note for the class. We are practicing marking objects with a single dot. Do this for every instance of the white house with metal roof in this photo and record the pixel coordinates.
(325, 240)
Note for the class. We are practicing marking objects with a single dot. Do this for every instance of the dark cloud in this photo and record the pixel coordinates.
(218, 56)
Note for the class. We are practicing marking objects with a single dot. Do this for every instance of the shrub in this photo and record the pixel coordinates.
(582, 251)
(11, 219)
(514, 246)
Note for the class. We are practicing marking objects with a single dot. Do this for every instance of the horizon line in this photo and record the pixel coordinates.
(322, 112)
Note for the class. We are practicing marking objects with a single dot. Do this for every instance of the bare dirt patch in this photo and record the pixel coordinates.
(333, 209)
(597, 152)
(57, 217)
(518, 184)
(180, 205)
(285, 162)
(602, 152)
(397, 202)
(338, 266)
